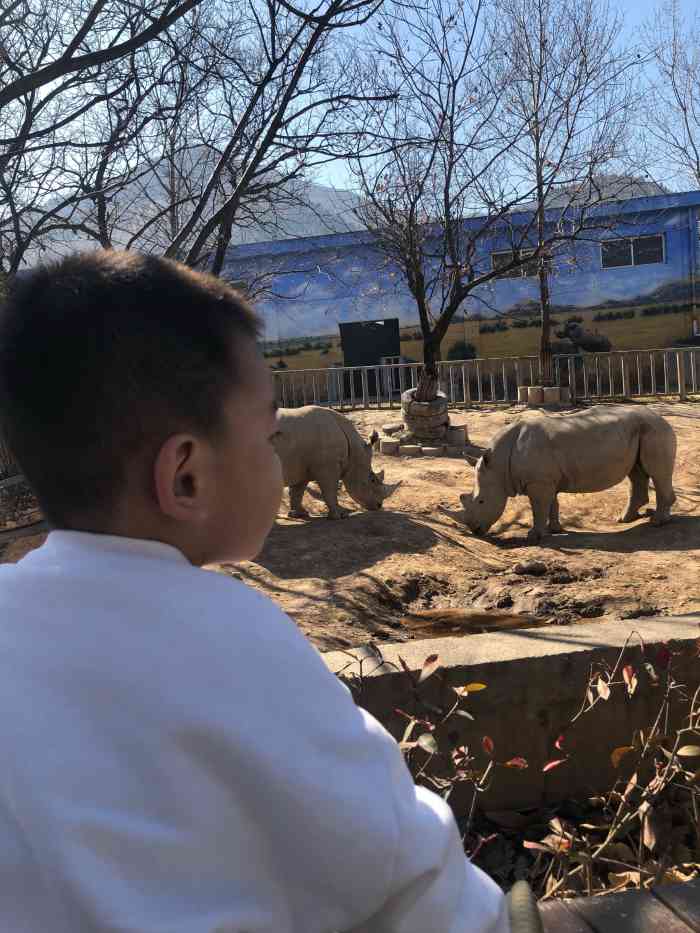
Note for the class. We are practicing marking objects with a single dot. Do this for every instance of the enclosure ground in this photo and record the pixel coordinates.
(349, 582)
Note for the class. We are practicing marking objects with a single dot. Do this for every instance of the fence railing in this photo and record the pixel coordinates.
(618, 374)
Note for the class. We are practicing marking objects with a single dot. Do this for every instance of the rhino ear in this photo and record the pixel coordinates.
(374, 437)
(470, 458)
(486, 458)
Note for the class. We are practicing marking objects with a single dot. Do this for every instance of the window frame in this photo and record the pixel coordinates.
(631, 240)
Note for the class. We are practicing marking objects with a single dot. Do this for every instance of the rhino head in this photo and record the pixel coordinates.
(488, 500)
(364, 485)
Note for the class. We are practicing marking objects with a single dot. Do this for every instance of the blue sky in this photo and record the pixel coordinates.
(634, 12)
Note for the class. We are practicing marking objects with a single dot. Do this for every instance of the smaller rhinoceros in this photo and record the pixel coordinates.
(583, 452)
(319, 444)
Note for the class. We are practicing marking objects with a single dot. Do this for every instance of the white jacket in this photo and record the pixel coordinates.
(176, 758)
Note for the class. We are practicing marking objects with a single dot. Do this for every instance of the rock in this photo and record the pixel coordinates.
(389, 446)
(410, 450)
(504, 602)
(551, 395)
(522, 395)
(562, 578)
(531, 568)
(392, 428)
(534, 395)
(456, 435)
(433, 451)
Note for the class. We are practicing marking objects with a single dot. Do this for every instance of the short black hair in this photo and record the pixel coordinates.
(103, 355)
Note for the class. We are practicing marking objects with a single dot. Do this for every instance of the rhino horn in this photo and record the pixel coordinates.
(380, 476)
(390, 488)
(374, 437)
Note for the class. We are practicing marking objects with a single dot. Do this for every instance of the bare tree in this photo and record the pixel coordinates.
(508, 114)
(215, 123)
(673, 106)
(53, 59)
(570, 100)
(438, 188)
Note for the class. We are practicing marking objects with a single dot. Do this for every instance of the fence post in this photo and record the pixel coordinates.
(680, 369)
(572, 378)
(625, 377)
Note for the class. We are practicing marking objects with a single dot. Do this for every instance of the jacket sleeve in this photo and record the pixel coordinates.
(432, 886)
(369, 850)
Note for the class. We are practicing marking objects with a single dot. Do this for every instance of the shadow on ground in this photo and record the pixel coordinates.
(329, 549)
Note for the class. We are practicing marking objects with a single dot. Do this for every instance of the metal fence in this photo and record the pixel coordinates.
(620, 374)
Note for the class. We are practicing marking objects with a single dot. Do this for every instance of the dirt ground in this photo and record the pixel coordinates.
(350, 582)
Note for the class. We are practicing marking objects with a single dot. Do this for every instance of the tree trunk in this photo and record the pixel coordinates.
(545, 339)
(429, 381)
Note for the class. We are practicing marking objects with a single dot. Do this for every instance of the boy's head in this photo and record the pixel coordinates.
(136, 403)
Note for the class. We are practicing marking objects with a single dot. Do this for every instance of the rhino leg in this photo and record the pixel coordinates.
(541, 496)
(657, 453)
(638, 495)
(665, 497)
(329, 485)
(554, 523)
(296, 494)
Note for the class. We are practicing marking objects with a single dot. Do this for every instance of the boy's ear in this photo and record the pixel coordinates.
(179, 478)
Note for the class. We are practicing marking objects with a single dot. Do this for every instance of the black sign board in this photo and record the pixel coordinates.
(369, 343)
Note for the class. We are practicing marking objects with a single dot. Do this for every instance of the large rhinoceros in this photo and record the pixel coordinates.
(583, 452)
(322, 445)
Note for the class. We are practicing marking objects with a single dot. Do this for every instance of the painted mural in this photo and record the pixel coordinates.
(314, 283)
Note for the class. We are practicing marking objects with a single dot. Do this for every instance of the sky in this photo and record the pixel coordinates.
(634, 13)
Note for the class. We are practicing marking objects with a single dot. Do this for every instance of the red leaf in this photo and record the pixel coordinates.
(488, 746)
(430, 665)
(535, 845)
(554, 764)
(559, 742)
(519, 763)
(663, 657)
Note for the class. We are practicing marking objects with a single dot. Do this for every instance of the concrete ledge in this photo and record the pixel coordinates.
(536, 681)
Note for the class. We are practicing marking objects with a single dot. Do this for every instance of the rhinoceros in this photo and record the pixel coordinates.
(322, 445)
(583, 452)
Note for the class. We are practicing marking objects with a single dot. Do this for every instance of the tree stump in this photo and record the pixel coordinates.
(426, 421)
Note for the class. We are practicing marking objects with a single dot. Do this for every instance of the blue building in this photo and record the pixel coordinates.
(639, 253)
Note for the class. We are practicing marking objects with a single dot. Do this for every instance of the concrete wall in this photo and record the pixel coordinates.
(536, 680)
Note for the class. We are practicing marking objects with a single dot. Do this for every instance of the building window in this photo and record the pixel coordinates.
(528, 270)
(632, 251)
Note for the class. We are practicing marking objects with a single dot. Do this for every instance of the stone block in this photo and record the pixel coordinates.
(433, 451)
(410, 450)
(392, 428)
(551, 395)
(534, 395)
(456, 435)
(454, 451)
(389, 446)
(565, 393)
(522, 395)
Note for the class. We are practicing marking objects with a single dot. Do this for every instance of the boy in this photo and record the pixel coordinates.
(176, 757)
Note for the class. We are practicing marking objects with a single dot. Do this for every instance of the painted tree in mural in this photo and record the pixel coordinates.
(570, 100)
